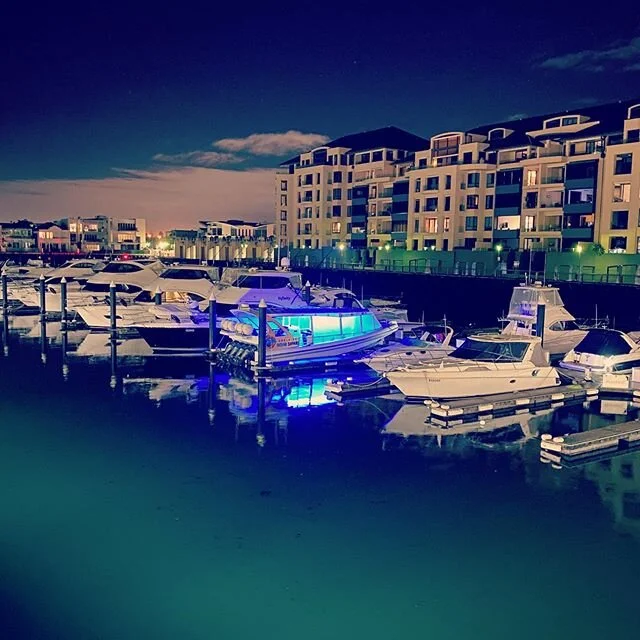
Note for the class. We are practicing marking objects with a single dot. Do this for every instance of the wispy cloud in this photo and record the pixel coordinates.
(517, 116)
(272, 144)
(619, 56)
(199, 158)
(169, 197)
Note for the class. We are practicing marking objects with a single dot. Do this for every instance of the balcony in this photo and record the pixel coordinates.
(582, 232)
(553, 180)
(546, 228)
(579, 208)
(506, 234)
(550, 153)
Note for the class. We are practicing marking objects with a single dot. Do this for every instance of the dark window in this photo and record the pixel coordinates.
(618, 243)
(337, 194)
(552, 124)
(619, 219)
(445, 146)
(634, 112)
(531, 200)
(623, 163)
(633, 135)
(377, 155)
(417, 185)
(579, 196)
(389, 154)
(569, 121)
(471, 223)
(447, 203)
(259, 282)
(507, 200)
(488, 202)
(472, 201)
(467, 157)
(432, 183)
(337, 176)
(473, 180)
(422, 163)
(283, 185)
(336, 210)
(580, 170)
(491, 179)
(416, 206)
(488, 223)
(447, 182)
(496, 134)
(508, 177)
(349, 177)
(469, 243)
(431, 204)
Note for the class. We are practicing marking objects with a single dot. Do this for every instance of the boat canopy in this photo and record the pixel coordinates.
(491, 350)
(173, 273)
(324, 326)
(525, 300)
(604, 342)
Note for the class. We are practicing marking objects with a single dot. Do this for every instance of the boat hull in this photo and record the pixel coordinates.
(434, 382)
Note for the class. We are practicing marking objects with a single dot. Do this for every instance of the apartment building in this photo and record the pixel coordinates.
(352, 190)
(101, 233)
(547, 182)
(52, 238)
(16, 237)
(227, 240)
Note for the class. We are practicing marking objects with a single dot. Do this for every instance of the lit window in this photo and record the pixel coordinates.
(622, 192)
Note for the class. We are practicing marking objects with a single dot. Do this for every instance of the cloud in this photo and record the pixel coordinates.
(199, 158)
(272, 144)
(517, 116)
(168, 198)
(596, 60)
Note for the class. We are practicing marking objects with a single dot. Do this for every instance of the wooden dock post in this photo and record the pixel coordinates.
(540, 317)
(5, 294)
(43, 297)
(157, 296)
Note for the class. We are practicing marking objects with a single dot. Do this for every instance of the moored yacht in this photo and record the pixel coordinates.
(482, 365)
(129, 277)
(603, 351)
(561, 333)
(181, 287)
(433, 345)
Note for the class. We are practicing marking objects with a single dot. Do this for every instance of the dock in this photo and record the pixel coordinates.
(506, 403)
(619, 437)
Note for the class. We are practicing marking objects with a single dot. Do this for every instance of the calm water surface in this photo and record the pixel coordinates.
(175, 506)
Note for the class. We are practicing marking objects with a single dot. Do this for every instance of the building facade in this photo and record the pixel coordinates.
(101, 233)
(52, 238)
(548, 182)
(227, 241)
(17, 237)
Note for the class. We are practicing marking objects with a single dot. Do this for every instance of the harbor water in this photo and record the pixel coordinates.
(160, 499)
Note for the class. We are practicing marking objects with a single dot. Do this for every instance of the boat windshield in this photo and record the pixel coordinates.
(255, 281)
(185, 274)
(491, 351)
(525, 300)
(603, 342)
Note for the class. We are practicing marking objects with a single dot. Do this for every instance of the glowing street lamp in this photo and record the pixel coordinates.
(341, 246)
(387, 247)
(498, 249)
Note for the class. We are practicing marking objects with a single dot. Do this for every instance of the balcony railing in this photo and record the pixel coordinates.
(552, 179)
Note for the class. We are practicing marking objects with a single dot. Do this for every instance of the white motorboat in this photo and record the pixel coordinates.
(33, 268)
(482, 365)
(561, 333)
(433, 345)
(181, 287)
(603, 351)
(303, 335)
(293, 335)
(129, 276)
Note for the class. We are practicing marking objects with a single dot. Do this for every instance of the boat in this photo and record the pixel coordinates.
(129, 277)
(561, 332)
(433, 345)
(33, 268)
(603, 351)
(182, 288)
(483, 365)
(293, 335)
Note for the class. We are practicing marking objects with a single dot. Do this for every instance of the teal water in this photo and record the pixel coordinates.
(149, 511)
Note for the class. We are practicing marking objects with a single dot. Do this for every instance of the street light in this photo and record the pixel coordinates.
(341, 246)
(498, 249)
(387, 247)
(578, 249)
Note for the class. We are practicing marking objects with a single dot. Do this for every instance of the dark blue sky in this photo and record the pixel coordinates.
(89, 89)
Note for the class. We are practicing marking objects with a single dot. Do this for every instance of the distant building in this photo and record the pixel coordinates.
(226, 240)
(16, 237)
(52, 238)
(547, 182)
(101, 233)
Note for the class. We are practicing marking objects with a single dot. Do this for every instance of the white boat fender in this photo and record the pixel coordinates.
(247, 330)
(558, 439)
(546, 437)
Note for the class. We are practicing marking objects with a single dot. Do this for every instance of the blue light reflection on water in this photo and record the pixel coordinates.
(131, 512)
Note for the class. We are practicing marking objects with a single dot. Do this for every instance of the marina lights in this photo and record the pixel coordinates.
(341, 246)
(578, 249)
(387, 247)
(498, 249)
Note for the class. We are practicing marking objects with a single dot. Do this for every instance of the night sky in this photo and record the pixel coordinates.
(118, 98)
